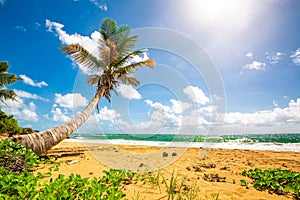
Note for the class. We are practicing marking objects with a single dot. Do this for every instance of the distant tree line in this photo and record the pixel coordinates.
(9, 125)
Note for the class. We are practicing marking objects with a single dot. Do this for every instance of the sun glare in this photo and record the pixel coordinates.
(218, 12)
(218, 9)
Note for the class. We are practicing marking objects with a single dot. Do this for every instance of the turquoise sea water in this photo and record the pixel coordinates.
(273, 142)
(258, 138)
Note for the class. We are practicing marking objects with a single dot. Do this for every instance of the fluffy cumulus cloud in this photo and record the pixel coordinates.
(59, 114)
(108, 114)
(277, 116)
(296, 57)
(128, 92)
(27, 80)
(179, 107)
(255, 65)
(20, 109)
(196, 95)
(71, 100)
(24, 108)
(162, 116)
(88, 42)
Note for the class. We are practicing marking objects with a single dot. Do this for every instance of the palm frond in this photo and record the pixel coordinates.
(127, 59)
(125, 30)
(93, 79)
(128, 69)
(121, 33)
(4, 66)
(129, 80)
(108, 27)
(83, 57)
(105, 56)
(127, 45)
(8, 79)
(7, 95)
(149, 62)
(113, 53)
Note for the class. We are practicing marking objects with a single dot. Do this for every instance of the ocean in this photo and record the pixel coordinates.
(273, 142)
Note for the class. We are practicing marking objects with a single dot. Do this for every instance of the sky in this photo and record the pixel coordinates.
(223, 66)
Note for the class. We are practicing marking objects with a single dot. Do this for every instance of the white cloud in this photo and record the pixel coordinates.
(296, 57)
(58, 115)
(162, 115)
(196, 95)
(274, 58)
(29, 113)
(29, 81)
(20, 110)
(27, 95)
(255, 65)
(101, 6)
(275, 103)
(71, 100)
(249, 55)
(108, 114)
(179, 107)
(2, 2)
(88, 42)
(277, 116)
(140, 58)
(128, 92)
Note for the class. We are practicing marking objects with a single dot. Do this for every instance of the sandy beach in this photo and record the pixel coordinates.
(199, 168)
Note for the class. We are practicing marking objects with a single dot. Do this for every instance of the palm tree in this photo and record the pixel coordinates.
(113, 65)
(6, 79)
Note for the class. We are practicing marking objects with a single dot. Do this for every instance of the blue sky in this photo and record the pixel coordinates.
(253, 46)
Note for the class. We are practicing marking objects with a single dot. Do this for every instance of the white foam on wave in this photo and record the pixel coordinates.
(291, 147)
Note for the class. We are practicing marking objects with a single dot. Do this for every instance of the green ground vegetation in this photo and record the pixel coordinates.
(282, 182)
(17, 180)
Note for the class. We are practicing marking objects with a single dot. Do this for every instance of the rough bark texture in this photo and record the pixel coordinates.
(41, 142)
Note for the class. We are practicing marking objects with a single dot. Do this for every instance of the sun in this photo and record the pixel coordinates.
(218, 12)
(219, 9)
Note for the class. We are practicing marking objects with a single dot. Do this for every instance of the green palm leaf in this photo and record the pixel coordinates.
(83, 57)
(127, 45)
(108, 27)
(7, 95)
(7, 79)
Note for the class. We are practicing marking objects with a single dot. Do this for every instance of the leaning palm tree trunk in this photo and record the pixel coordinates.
(41, 142)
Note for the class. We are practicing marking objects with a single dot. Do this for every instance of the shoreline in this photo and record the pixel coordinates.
(255, 146)
(82, 158)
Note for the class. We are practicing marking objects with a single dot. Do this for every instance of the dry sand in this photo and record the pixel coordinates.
(189, 164)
